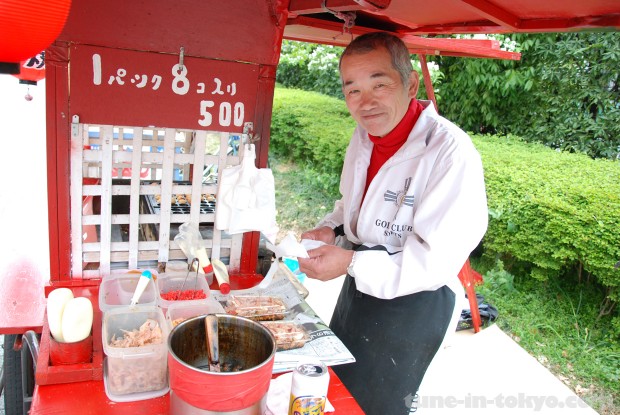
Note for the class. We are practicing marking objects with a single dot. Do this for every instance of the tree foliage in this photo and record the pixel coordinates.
(564, 92)
(313, 67)
(310, 67)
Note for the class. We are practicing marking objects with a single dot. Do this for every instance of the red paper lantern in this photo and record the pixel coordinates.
(32, 70)
(29, 26)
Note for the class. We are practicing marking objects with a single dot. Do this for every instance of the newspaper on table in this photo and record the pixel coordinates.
(323, 344)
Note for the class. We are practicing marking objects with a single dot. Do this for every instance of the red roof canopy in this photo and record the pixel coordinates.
(418, 21)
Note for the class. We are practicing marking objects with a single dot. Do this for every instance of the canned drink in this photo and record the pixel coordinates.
(309, 389)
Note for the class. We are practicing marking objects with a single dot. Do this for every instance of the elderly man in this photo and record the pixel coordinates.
(413, 206)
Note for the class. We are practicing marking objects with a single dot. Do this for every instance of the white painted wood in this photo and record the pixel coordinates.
(105, 229)
(91, 190)
(166, 194)
(75, 190)
(187, 151)
(134, 198)
(235, 251)
(112, 154)
(122, 219)
(199, 157)
(122, 257)
(121, 157)
(221, 164)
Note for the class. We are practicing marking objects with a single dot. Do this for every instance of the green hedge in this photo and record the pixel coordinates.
(311, 129)
(549, 212)
(553, 211)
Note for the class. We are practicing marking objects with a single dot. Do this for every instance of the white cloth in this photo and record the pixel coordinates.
(246, 198)
(426, 207)
(288, 247)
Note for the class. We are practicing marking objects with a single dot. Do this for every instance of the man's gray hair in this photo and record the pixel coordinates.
(401, 60)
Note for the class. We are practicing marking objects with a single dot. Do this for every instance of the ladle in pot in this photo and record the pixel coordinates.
(211, 331)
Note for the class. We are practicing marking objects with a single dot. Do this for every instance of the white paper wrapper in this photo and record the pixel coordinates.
(279, 395)
(288, 247)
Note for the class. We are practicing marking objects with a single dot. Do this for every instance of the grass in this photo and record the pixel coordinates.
(555, 321)
(301, 197)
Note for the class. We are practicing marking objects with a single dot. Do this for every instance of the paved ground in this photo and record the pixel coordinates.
(483, 373)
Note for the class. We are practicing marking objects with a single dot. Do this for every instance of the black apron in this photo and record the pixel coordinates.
(393, 342)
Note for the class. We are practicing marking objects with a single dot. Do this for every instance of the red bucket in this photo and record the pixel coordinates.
(246, 355)
(71, 353)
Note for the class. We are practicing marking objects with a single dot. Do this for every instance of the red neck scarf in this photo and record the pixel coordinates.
(385, 147)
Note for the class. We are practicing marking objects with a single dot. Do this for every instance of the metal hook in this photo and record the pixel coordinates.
(248, 136)
(181, 56)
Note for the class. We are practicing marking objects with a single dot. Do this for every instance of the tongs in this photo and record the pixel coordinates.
(190, 266)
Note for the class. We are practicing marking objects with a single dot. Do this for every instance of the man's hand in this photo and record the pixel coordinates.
(326, 262)
(324, 234)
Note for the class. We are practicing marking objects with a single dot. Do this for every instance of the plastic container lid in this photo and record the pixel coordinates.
(117, 289)
(256, 307)
(183, 310)
(171, 282)
(288, 334)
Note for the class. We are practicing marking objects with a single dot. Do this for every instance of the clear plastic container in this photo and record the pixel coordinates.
(288, 334)
(135, 369)
(175, 283)
(129, 397)
(256, 307)
(117, 289)
(181, 311)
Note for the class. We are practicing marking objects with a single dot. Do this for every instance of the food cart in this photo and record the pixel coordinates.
(143, 97)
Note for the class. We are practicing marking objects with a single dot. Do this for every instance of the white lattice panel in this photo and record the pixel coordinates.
(131, 188)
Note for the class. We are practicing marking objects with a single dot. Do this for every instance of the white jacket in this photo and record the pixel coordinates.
(423, 214)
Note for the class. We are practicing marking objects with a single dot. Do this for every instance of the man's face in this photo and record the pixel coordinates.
(374, 92)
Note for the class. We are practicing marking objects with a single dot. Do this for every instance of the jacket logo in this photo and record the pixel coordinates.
(400, 197)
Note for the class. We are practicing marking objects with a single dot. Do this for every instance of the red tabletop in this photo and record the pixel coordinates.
(90, 398)
(80, 389)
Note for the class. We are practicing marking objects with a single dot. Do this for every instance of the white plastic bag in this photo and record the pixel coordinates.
(246, 199)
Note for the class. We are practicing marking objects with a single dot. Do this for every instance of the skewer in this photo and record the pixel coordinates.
(190, 266)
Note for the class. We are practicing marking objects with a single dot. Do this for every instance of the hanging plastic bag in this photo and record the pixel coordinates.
(246, 198)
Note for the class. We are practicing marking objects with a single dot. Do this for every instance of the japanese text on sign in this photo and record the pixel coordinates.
(227, 113)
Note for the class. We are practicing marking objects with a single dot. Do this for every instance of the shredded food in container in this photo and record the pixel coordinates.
(148, 333)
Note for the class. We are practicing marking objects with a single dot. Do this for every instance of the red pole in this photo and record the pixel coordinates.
(428, 84)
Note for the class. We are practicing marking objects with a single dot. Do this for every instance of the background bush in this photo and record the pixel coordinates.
(313, 130)
(564, 92)
(550, 212)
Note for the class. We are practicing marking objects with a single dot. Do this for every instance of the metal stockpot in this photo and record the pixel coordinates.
(246, 355)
